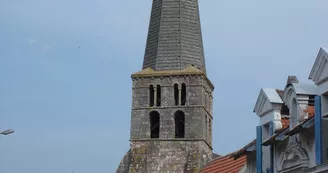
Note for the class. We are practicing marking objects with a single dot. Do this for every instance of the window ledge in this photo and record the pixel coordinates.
(167, 139)
(172, 139)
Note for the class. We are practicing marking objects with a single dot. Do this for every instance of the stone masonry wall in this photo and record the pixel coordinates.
(166, 157)
(198, 117)
(167, 153)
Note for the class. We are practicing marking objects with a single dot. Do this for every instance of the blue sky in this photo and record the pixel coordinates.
(65, 73)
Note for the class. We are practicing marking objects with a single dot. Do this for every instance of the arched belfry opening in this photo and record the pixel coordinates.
(183, 94)
(179, 118)
(154, 124)
(158, 95)
(176, 94)
(151, 96)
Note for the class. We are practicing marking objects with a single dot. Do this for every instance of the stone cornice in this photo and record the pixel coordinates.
(189, 71)
(317, 169)
(170, 139)
(175, 107)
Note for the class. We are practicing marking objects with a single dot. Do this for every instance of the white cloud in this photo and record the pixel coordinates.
(29, 40)
(46, 47)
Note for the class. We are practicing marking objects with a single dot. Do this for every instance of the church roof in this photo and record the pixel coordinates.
(225, 164)
(174, 38)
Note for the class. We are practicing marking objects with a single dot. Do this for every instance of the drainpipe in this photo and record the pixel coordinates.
(318, 130)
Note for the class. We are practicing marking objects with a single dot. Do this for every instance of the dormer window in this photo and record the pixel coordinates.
(311, 101)
(266, 131)
(284, 110)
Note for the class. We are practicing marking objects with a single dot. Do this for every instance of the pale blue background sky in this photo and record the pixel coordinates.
(65, 70)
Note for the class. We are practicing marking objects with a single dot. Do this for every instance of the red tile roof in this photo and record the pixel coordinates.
(285, 122)
(225, 164)
(285, 125)
(298, 127)
(243, 151)
(310, 111)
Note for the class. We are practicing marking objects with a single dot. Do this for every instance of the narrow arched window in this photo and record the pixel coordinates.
(210, 103)
(154, 124)
(206, 100)
(176, 94)
(206, 128)
(179, 118)
(210, 130)
(210, 126)
(183, 94)
(158, 95)
(151, 96)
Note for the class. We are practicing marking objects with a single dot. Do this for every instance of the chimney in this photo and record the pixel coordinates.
(292, 79)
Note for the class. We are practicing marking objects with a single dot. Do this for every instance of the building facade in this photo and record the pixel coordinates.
(171, 117)
(292, 136)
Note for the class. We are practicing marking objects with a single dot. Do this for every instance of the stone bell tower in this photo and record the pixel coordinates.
(171, 119)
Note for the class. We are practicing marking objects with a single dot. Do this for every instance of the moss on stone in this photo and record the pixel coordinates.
(133, 170)
(195, 170)
(138, 159)
(142, 150)
(195, 156)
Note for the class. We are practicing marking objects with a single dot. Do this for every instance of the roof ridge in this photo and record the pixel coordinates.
(221, 157)
(225, 164)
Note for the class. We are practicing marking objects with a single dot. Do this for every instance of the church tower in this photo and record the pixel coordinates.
(171, 119)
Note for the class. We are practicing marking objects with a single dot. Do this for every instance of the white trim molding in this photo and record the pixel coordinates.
(317, 73)
(298, 93)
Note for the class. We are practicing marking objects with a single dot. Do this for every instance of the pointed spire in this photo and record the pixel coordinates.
(174, 38)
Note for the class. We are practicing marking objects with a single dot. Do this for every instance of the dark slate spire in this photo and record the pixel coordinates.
(174, 37)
